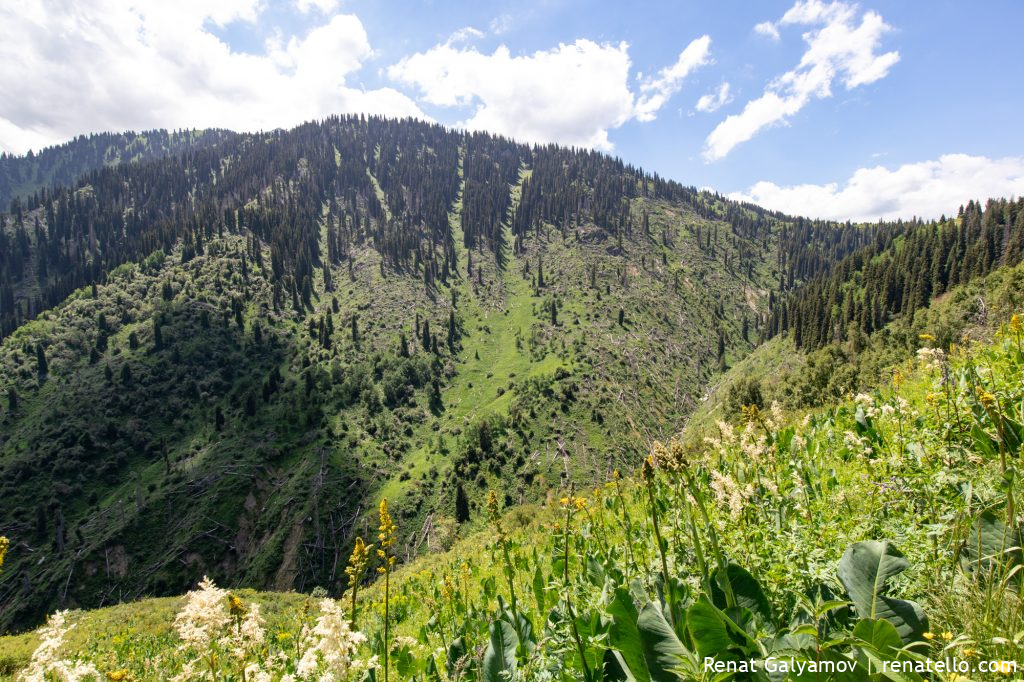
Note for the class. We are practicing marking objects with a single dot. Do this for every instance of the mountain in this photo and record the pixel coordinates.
(218, 361)
(23, 176)
(803, 540)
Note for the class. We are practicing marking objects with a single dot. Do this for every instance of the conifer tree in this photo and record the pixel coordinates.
(41, 365)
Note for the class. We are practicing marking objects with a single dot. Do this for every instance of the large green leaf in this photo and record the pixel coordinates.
(748, 595)
(865, 570)
(663, 652)
(991, 544)
(539, 585)
(624, 636)
(501, 651)
(456, 656)
(880, 644)
(708, 630)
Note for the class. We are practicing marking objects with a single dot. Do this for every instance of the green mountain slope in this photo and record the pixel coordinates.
(246, 400)
(217, 363)
(789, 541)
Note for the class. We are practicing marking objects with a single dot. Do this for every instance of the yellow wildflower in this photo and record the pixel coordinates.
(968, 652)
(929, 636)
(357, 562)
(647, 470)
(117, 675)
(284, 636)
(947, 636)
(1005, 667)
(986, 399)
(1015, 324)
(926, 337)
(4, 544)
(447, 587)
(387, 537)
(576, 503)
(235, 606)
(492, 505)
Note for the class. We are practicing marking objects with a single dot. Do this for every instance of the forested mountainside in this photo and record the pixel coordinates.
(23, 176)
(217, 361)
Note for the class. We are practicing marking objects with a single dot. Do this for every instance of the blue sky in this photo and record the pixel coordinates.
(832, 109)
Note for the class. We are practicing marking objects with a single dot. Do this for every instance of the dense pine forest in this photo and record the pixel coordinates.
(238, 343)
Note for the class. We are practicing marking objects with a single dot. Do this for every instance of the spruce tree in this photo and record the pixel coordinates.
(461, 504)
(41, 365)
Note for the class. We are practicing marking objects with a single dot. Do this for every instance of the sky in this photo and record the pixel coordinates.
(839, 110)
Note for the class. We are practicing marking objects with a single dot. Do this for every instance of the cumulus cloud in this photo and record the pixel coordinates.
(715, 100)
(572, 94)
(79, 65)
(768, 30)
(844, 45)
(927, 190)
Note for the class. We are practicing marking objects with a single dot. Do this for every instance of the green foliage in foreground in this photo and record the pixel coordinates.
(884, 528)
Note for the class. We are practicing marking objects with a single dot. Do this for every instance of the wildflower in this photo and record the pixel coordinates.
(947, 636)
(729, 494)
(235, 606)
(929, 636)
(1005, 667)
(251, 630)
(45, 663)
(335, 644)
(447, 587)
(254, 673)
(926, 337)
(203, 615)
(987, 400)
(867, 403)
(576, 503)
(968, 652)
(931, 358)
(750, 413)
(284, 636)
(117, 675)
(4, 544)
(356, 569)
(675, 457)
(387, 537)
(1015, 324)
(647, 470)
(493, 510)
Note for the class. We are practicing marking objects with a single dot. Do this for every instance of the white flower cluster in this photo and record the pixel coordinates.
(333, 646)
(46, 664)
(205, 626)
(203, 617)
(931, 359)
(867, 403)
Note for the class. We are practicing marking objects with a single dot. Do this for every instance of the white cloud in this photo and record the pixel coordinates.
(465, 34)
(572, 94)
(713, 101)
(322, 6)
(658, 90)
(768, 30)
(90, 65)
(927, 190)
(501, 24)
(840, 48)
